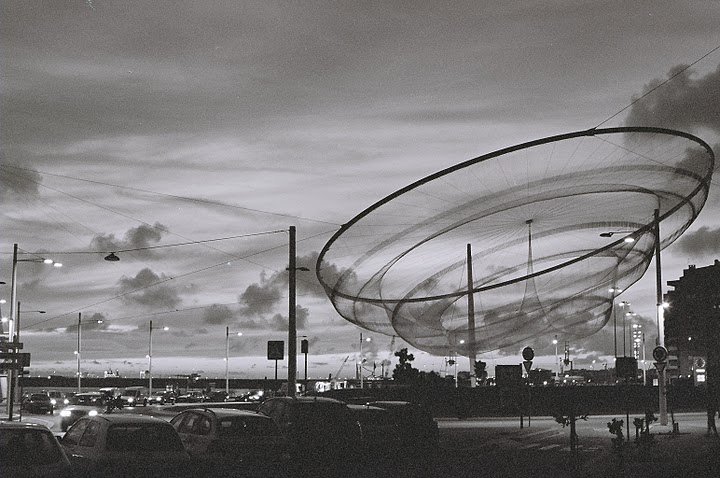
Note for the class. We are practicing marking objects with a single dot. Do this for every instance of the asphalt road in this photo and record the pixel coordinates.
(498, 447)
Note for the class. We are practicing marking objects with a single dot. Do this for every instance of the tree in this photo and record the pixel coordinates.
(480, 372)
(404, 371)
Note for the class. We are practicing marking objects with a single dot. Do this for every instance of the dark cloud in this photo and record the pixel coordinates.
(96, 321)
(703, 242)
(17, 183)
(139, 237)
(684, 103)
(147, 289)
(218, 315)
(261, 298)
(280, 322)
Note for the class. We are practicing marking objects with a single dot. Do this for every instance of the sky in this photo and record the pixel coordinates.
(188, 137)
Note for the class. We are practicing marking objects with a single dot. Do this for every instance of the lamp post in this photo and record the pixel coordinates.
(150, 358)
(14, 328)
(360, 371)
(624, 304)
(292, 321)
(227, 359)
(557, 361)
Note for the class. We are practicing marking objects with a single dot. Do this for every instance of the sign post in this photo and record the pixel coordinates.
(275, 351)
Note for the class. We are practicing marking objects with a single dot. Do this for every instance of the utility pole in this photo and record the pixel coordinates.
(292, 322)
(471, 317)
(79, 375)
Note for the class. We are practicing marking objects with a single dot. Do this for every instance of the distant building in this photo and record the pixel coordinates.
(692, 323)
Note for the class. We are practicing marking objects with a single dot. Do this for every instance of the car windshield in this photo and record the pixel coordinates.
(28, 447)
(143, 438)
(246, 426)
(39, 397)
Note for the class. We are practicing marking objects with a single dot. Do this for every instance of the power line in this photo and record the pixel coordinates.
(173, 196)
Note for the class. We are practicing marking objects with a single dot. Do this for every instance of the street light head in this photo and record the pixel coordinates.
(166, 328)
(57, 264)
(629, 239)
(239, 334)
(112, 257)
(48, 261)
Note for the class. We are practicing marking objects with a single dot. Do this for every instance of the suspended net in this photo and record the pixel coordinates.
(544, 226)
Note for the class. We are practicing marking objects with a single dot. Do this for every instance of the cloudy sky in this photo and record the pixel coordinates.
(188, 136)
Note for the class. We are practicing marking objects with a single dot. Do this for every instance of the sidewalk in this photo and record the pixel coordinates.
(670, 455)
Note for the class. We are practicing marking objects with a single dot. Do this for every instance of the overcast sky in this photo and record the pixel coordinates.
(128, 125)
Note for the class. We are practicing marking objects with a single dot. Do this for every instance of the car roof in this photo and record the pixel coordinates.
(129, 419)
(22, 426)
(366, 407)
(88, 394)
(308, 399)
(229, 412)
(391, 403)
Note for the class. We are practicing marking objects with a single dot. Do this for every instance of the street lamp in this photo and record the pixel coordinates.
(557, 360)
(227, 359)
(623, 304)
(360, 366)
(14, 328)
(292, 321)
(150, 357)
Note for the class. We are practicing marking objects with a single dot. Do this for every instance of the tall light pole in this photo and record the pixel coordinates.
(292, 321)
(662, 398)
(227, 359)
(624, 304)
(150, 357)
(14, 328)
(16, 382)
(79, 334)
(367, 339)
(557, 361)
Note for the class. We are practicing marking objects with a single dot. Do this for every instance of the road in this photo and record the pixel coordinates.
(498, 447)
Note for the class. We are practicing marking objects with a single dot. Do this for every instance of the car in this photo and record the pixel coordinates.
(38, 403)
(192, 396)
(56, 398)
(73, 413)
(125, 445)
(381, 437)
(31, 450)
(217, 396)
(318, 429)
(233, 438)
(161, 397)
(417, 426)
(134, 396)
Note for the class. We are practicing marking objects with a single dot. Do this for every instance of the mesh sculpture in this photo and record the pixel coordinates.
(544, 225)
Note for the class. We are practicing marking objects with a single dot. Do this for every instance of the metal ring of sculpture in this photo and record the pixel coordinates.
(544, 225)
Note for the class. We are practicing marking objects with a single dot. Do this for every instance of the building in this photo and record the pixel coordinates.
(692, 323)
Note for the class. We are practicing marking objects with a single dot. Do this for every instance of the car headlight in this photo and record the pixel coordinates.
(53, 401)
(65, 413)
(92, 413)
(131, 399)
(66, 401)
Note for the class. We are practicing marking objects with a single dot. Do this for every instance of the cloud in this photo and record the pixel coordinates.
(139, 237)
(146, 289)
(703, 242)
(280, 322)
(682, 103)
(96, 321)
(17, 183)
(217, 315)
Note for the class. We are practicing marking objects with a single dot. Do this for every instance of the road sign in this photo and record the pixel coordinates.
(10, 345)
(528, 353)
(660, 353)
(275, 350)
(527, 364)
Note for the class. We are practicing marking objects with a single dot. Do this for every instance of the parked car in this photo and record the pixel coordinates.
(318, 429)
(216, 396)
(381, 437)
(38, 403)
(192, 396)
(417, 426)
(125, 445)
(233, 438)
(134, 396)
(31, 450)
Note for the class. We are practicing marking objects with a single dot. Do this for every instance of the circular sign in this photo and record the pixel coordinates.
(660, 353)
(528, 353)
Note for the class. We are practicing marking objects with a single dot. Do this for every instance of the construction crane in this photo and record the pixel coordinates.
(337, 374)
